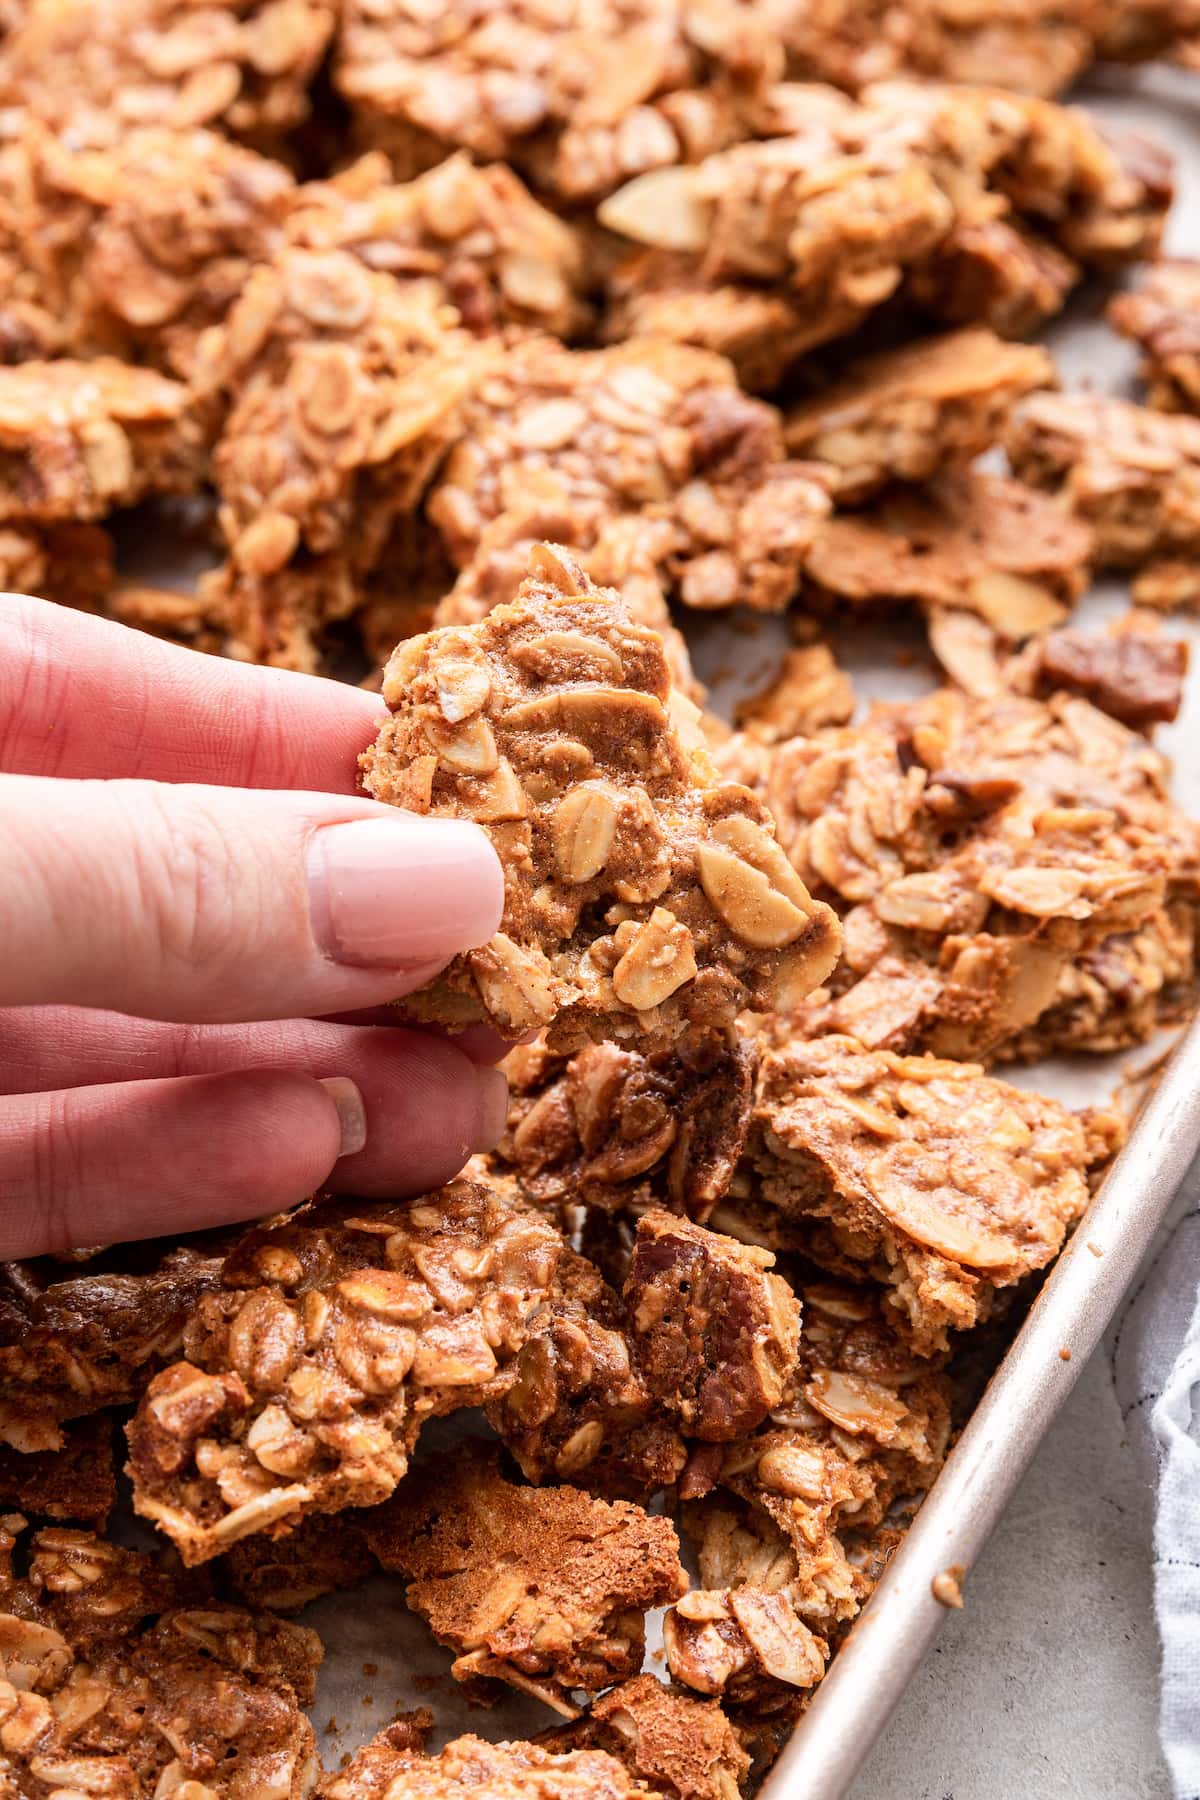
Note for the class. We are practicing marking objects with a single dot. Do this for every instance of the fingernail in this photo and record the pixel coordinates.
(352, 1114)
(493, 1108)
(398, 892)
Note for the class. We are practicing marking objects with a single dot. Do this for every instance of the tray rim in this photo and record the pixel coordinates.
(892, 1635)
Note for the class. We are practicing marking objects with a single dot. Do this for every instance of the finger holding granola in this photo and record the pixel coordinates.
(236, 915)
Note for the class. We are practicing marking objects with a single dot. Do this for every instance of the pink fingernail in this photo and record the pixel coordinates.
(401, 891)
(493, 1108)
(352, 1113)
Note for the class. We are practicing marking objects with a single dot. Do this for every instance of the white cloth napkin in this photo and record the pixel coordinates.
(1154, 1345)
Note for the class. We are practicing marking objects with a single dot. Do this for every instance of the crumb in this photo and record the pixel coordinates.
(946, 1588)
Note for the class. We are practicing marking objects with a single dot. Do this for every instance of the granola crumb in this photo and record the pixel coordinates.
(946, 1587)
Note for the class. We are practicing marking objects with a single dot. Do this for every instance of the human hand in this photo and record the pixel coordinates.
(187, 971)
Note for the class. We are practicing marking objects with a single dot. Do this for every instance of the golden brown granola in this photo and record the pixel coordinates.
(544, 1588)
(324, 1553)
(981, 850)
(647, 428)
(336, 1334)
(93, 75)
(69, 1347)
(76, 1481)
(80, 439)
(905, 414)
(807, 691)
(66, 562)
(967, 541)
(582, 96)
(939, 1182)
(681, 1747)
(1130, 473)
(1162, 316)
(640, 891)
(990, 271)
(97, 1695)
(389, 1768)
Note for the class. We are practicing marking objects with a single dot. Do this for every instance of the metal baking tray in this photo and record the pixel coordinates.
(897, 1627)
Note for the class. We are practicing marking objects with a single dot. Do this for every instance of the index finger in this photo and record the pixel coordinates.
(81, 696)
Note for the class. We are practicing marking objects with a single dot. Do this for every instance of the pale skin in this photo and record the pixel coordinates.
(201, 925)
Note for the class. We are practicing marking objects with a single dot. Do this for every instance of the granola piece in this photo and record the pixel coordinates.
(742, 1643)
(77, 1482)
(906, 414)
(1133, 676)
(204, 1699)
(641, 893)
(968, 541)
(578, 1407)
(180, 618)
(79, 439)
(1168, 585)
(807, 692)
(69, 1348)
(135, 249)
(471, 1769)
(242, 66)
(280, 617)
(716, 1336)
(681, 1747)
(927, 1175)
(612, 1128)
(647, 428)
(989, 271)
(979, 848)
(502, 258)
(581, 96)
(543, 1588)
(1130, 474)
(338, 1332)
(66, 562)
(323, 1554)
(1162, 316)
(345, 388)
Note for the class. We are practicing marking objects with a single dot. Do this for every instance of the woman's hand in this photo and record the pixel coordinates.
(192, 901)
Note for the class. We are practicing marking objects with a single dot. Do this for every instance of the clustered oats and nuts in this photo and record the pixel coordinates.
(476, 349)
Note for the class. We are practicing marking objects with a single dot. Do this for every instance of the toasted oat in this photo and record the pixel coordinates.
(337, 1333)
(502, 258)
(93, 75)
(1162, 316)
(544, 1588)
(612, 1127)
(743, 1643)
(77, 1481)
(583, 96)
(905, 414)
(715, 1334)
(930, 1176)
(681, 1747)
(79, 439)
(651, 429)
(71, 1347)
(640, 891)
(1131, 474)
(388, 1768)
(968, 541)
(808, 691)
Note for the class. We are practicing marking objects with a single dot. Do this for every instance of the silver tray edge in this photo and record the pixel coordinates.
(895, 1630)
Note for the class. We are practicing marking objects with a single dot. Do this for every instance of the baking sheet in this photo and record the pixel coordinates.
(380, 1658)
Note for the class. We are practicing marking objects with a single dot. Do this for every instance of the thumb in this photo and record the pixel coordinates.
(217, 904)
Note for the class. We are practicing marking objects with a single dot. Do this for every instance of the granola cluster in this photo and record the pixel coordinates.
(640, 890)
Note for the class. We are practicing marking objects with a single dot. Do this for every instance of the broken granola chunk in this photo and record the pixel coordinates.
(641, 893)
(1162, 316)
(611, 1127)
(338, 1332)
(990, 271)
(1130, 474)
(79, 439)
(648, 428)
(930, 1176)
(808, 691)
(1131, 675)
(76, 1482)
(324, 1554)
(742, 1643)
(65, 562)
(69, 1348)
(968, 541)
(89, 76)
(388, 1768)
(681, 1747)
(715, 1334)
(544, 1588)
(905, 414)
(501, 257)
